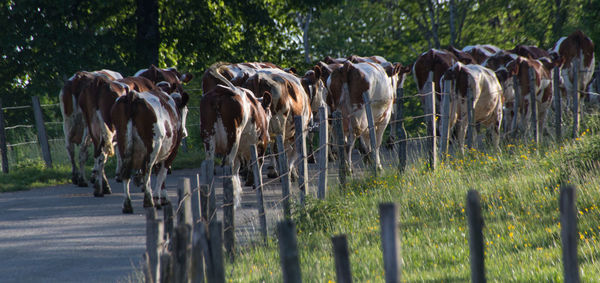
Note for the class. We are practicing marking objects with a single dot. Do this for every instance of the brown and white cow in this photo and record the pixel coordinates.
(530, 51)
(95, 103)
(236, 73)
(462, 56)
(149, 128)
(436, 62)
(487, 99)
(349, 83)
(543, 85)
(577, 46)
(169, 75)
(481, 52)
(289, 99)
(231, 120)
(76, 133)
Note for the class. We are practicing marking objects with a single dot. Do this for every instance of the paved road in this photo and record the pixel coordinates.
(64, 234)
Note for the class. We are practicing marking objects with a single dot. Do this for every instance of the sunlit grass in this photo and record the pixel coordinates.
(519, 190)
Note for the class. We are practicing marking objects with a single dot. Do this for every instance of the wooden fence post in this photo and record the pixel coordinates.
(514, 122)
(284, 173)
(569, 235)
(475, 221)
(3, 147)
(196, 201)
(258, 186)
(372, 136)
(41, 131)
(216, 252)
(390, 242)
(199, 244)
(228, 213)
(341, 149)
(146, 267)
(154, 238)
(470, 118)
(431, 128)
(534, 110)
(557, 104)
(169, 221)
(166, 268)
(323, 152)
(402, 149)
(288, 252)
(182, 253)
(342, 260)
(445, 114)
(301, 163)
(576, 108)
(184, 209)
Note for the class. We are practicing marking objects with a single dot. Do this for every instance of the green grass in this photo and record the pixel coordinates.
(519, 191)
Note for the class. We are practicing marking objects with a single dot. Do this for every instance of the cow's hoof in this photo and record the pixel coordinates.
(81, 182)
(157, 202)
(127, 208)
(148, 201)
(106, 188)
(272, 173)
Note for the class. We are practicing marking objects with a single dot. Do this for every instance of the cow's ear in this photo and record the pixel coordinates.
(266, 100)
(317, 71)
(328, 59)
(164, 86)
(185, 98)
(513, 67)
(187, 77)
(502, 75)
(325, 71)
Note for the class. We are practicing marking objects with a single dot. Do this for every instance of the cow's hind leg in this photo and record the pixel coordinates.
(74, 170)
(271, 170)
(83, 156)
(161, 176)
(127, 208)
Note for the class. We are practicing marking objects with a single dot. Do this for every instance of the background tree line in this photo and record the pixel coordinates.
(45, 41)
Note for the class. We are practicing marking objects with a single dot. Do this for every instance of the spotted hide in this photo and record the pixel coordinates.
(231, 120)
(349, 83)
(577, 46)
(487, 99)
(169, 75)
(149, 128)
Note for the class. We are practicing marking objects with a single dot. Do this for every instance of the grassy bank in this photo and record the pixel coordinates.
(519, 189)
(32, 173)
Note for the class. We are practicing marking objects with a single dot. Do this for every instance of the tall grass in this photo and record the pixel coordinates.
(519, 188)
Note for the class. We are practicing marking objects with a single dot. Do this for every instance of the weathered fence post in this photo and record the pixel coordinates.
(258, 186)
(169, 221)
(470, 118)
(569, 235)
(228, 213)
(576, 108)
(390, 242)
(146, 267)
(3, 147)
(475, 222)
(41, 131)
(323, 152)
(557, 104)
(534, 118)
(402, 149)
(514, 122)
(182, 253)
(342, 259)
(154, 238)
(196, 201)
(284, 172)
(199, 244)
(431, 128)
(288, 252)
(445, 114)
(301, 163)
(372, 135)
(184, 209)
(340, 143)
(166, 268)
(215, 230)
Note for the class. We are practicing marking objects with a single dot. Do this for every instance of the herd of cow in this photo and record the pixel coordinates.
(249, 103)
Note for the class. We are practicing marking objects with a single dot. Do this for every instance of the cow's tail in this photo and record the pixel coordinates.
(213, 70)
(130, 101)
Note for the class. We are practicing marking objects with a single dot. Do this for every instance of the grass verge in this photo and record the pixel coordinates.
(519, 189)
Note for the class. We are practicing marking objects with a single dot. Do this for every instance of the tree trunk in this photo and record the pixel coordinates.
(147, 38)
(434, 24)
(452, 28)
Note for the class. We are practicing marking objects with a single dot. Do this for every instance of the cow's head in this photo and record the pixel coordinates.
(314, 87)
(338, 84)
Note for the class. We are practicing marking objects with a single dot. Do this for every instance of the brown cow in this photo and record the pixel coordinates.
(530, 51)
(481, 52)
(149, 128)
(577, 46)
(169, 75)
(232, 119)
(235, 73)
